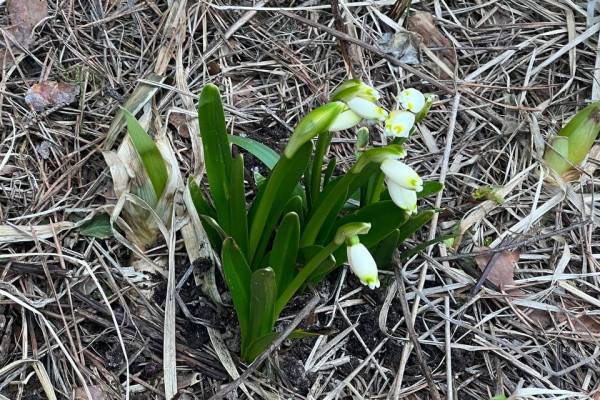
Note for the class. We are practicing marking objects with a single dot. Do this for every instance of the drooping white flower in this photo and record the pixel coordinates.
(399, 123)
(363, 265)
(412, 100)
(345, 120)
(406, 199)
(402, 175)
(366, 109)
(361, 99)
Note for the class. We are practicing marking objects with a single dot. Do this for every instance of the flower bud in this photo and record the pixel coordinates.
(361, 98)
(317, 121)
(345, 120)
(412, 100)
(399, 123)
(406, 199)
(580, 132)
(350, 230)
(362, 264)
(402, 175)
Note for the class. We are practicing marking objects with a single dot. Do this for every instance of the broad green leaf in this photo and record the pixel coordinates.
(263, 292)
(285, 250)
(384, 217)
(271, 202)
(238, 275)
(317, 166)
(138, 98)
(327, 265)
(98, 226)
(332, 200)
(238, 228)
(265, 154)
(329, 225)
(153, 162)
(262, 343)
(215, 233)
(217, 153)
(200, 203)
(296, 205)
(303, 275)
(385, 249)
(415, 223)
(430, 188)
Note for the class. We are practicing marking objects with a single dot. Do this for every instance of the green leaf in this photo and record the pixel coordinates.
(238, 275)
(217, 153)
(302, 276)
(430, 188)
(265, 154)
(329, 171)
(277, 192)
(415, 223)
(98, 226)
(138, 98)
(385, 249)
(296, 205)
(238, 228)
(326, 265)
(200, 203)
(263, 292)
(285, 250)
(262, 343)
(317, 166)
(153, 162)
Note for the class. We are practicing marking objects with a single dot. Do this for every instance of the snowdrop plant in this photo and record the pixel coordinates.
(303, 222)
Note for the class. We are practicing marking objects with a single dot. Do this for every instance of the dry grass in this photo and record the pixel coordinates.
(513, 72)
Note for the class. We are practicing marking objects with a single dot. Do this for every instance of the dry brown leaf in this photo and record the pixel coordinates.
(25, 15)
(47, 94)
(96, 392)
(502, 272)
(421, 22)
(179, 122)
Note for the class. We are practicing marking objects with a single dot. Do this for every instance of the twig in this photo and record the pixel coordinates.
(341, 27)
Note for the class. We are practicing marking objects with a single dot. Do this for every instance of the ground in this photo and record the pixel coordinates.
(507, 75)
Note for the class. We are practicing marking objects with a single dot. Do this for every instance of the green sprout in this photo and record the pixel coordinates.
(572, 144)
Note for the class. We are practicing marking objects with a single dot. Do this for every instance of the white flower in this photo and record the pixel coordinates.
(366, 109)
(363, 265)
(399, 123)
(406, 199)
(412, 100)
(401, 174)
(345, 120)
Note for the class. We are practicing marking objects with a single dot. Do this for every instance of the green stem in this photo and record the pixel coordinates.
(317, 166)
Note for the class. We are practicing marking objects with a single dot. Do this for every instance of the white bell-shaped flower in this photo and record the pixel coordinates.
(399, 123)
(367, 109)
(345, 120)
(362, 264)
(402, 175)
(412, 100)
(406, 199)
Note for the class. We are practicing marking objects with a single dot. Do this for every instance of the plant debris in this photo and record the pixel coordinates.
(50, 94)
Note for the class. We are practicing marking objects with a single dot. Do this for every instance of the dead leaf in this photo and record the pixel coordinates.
(421, 22)
(404, 46)
(47, 94)
(96, 392)
(179, 122)
(44, 149)
(24, 16)
(502, 272)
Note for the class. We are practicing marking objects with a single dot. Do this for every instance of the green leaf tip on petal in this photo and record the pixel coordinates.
(315, 122)
(152, 160)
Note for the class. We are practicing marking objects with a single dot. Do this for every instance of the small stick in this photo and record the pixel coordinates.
(340, 26)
